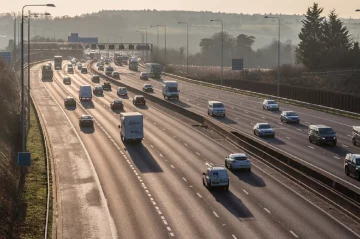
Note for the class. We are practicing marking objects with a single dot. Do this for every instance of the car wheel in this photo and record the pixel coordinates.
(226, 166)
(263, 107)
(230, 167)
(203, 181)
(354, 141)
(249, 169)
(254, 132)
(310, 140)
(227, 188)
(208, 113)
(347, 171)
(209, 186)
(334, 143)
(357, 175)
(281, 119)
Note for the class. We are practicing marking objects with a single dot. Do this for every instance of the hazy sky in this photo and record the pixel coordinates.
(345, 8)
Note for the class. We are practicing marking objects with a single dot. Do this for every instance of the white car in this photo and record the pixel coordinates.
(216, 177)
(237, 161)
(270, 105)
(264, 129)
(216, 108)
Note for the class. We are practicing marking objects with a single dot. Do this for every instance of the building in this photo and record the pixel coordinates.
(74, 37)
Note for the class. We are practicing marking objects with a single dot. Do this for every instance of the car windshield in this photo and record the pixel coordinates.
(264, 126)
(291, 114)
(218, 105)
(148, 86)
(172, 89)
(326, 131)
(219, 174)
(271, 102)
(139, 97)
(144, 74)
(357, 161)
(239, 158)
(109, 69)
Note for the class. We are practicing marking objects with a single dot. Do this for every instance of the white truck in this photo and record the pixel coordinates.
(131, 127)
(170, 90)
(85, 92)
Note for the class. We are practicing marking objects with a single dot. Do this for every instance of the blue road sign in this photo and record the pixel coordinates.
(5, 57)
(24, 158)
(237, 64)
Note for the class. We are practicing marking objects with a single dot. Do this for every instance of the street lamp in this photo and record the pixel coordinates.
(165, 40)
(144, 28)
(45, 28)
(222, 48)
(187, 46)
(22, 71)
(142, 40)
(278, 57)
(157, 44)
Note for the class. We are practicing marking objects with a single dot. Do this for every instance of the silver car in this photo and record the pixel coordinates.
(270, 105)
(264, 129)
(237, 161)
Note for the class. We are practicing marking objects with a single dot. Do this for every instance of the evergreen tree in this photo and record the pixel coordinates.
(310, 47)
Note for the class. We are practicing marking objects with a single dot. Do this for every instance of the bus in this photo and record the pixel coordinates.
(58, 62)
(154, 70)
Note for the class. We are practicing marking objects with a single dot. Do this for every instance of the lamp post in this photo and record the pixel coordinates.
(187, 46)
(157, 43)
(45, 28)
(146, 53)
(278, 57)
(164, 26)
(142, 40)
(222, 48)
(23, 146)
(14, 51)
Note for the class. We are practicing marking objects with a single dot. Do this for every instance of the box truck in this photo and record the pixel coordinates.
(131, 127)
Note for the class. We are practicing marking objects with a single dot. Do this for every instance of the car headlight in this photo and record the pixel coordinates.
(322, 137)
(334, 137)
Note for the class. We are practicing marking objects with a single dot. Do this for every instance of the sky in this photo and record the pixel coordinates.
(345, 8)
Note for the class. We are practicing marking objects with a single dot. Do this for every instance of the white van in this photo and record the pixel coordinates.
(85, 92)
(170, 90)
(216, 108)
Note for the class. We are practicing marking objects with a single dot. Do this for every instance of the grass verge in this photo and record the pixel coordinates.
(34, 195)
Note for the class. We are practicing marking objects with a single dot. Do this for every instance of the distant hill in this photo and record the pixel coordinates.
(121, 25)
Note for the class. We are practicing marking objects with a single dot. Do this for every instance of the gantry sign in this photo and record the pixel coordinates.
(121, 46)
(84, 46)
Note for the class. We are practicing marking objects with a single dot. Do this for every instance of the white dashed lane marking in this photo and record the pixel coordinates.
(288, 137)
(311, 147)
(294, 234)
(299, 130)
(267, 210)
(245, 192)
(336, 157)
(215, 214)
(197, 153)
(345, 146)
(199, 195)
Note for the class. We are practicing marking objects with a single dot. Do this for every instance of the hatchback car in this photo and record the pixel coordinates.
(139, 100)
(148, 88)
(216, 108)
(289, 117)
(216, 177)
(116, 105)
(144, 76)
(122, 91)
(264, 129)
(69, 101)
(106, 86)
(237, 161)
(67, 80)
(322, 134)
(95, 79)
(115, 74)
(98, 90)
(270, 105)
(86, 121)
(84, 70)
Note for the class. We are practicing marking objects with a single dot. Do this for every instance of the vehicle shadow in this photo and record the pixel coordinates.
(232, 203)
(87, 130)
(179, 103)
(124, 96)
(274, 141)
(142, 158)
(87, 104)
(225, 120)
(47, 80)
(99, 95)
(249, 178)
(117, 111)
(339, 150)
(71, 108)
(143, 107)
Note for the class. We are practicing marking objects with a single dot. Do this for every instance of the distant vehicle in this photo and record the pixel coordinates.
(83, 61)
(270, 105)
(352, 165)
(58, 62)
(122, 91)
(118, 60)
(131, 127)
(116, 105)
(170, 90)
(86, 121)
(70, 70)
(115, 74)
(109, 70)
(154, 70)
(95, 79)
(322, 134)
(289, 117)
(106, 62)
(67, 80)
(148, 88)
(144, 76)
(46, 72)
(106, 86)
(79, 66)
(99, 63)
(85, 92)
(100, 68)
(264, 129)
(356, 135)
(133, 64)
(84, 70)
(216, 177)
(69, 101)
(216, 108)
(98, 90)
(139, 100)
(237, 161)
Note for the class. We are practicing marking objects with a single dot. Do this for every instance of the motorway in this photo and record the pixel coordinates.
(154, 190)
(243, 112)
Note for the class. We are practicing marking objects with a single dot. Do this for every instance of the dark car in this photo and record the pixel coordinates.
(352, 165)
(95, 79)
(70, 70)
(79, 66)
(356, 135)
(106, 86)
(84, 70)
(139, 100)
(322, 134)
(289, 117)
(116, 105)
(148, 88)
(98, 90)
(86, 121)
(101, 68)
(69, 101)
(67, 80)
(115, 74)
(144, 76)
